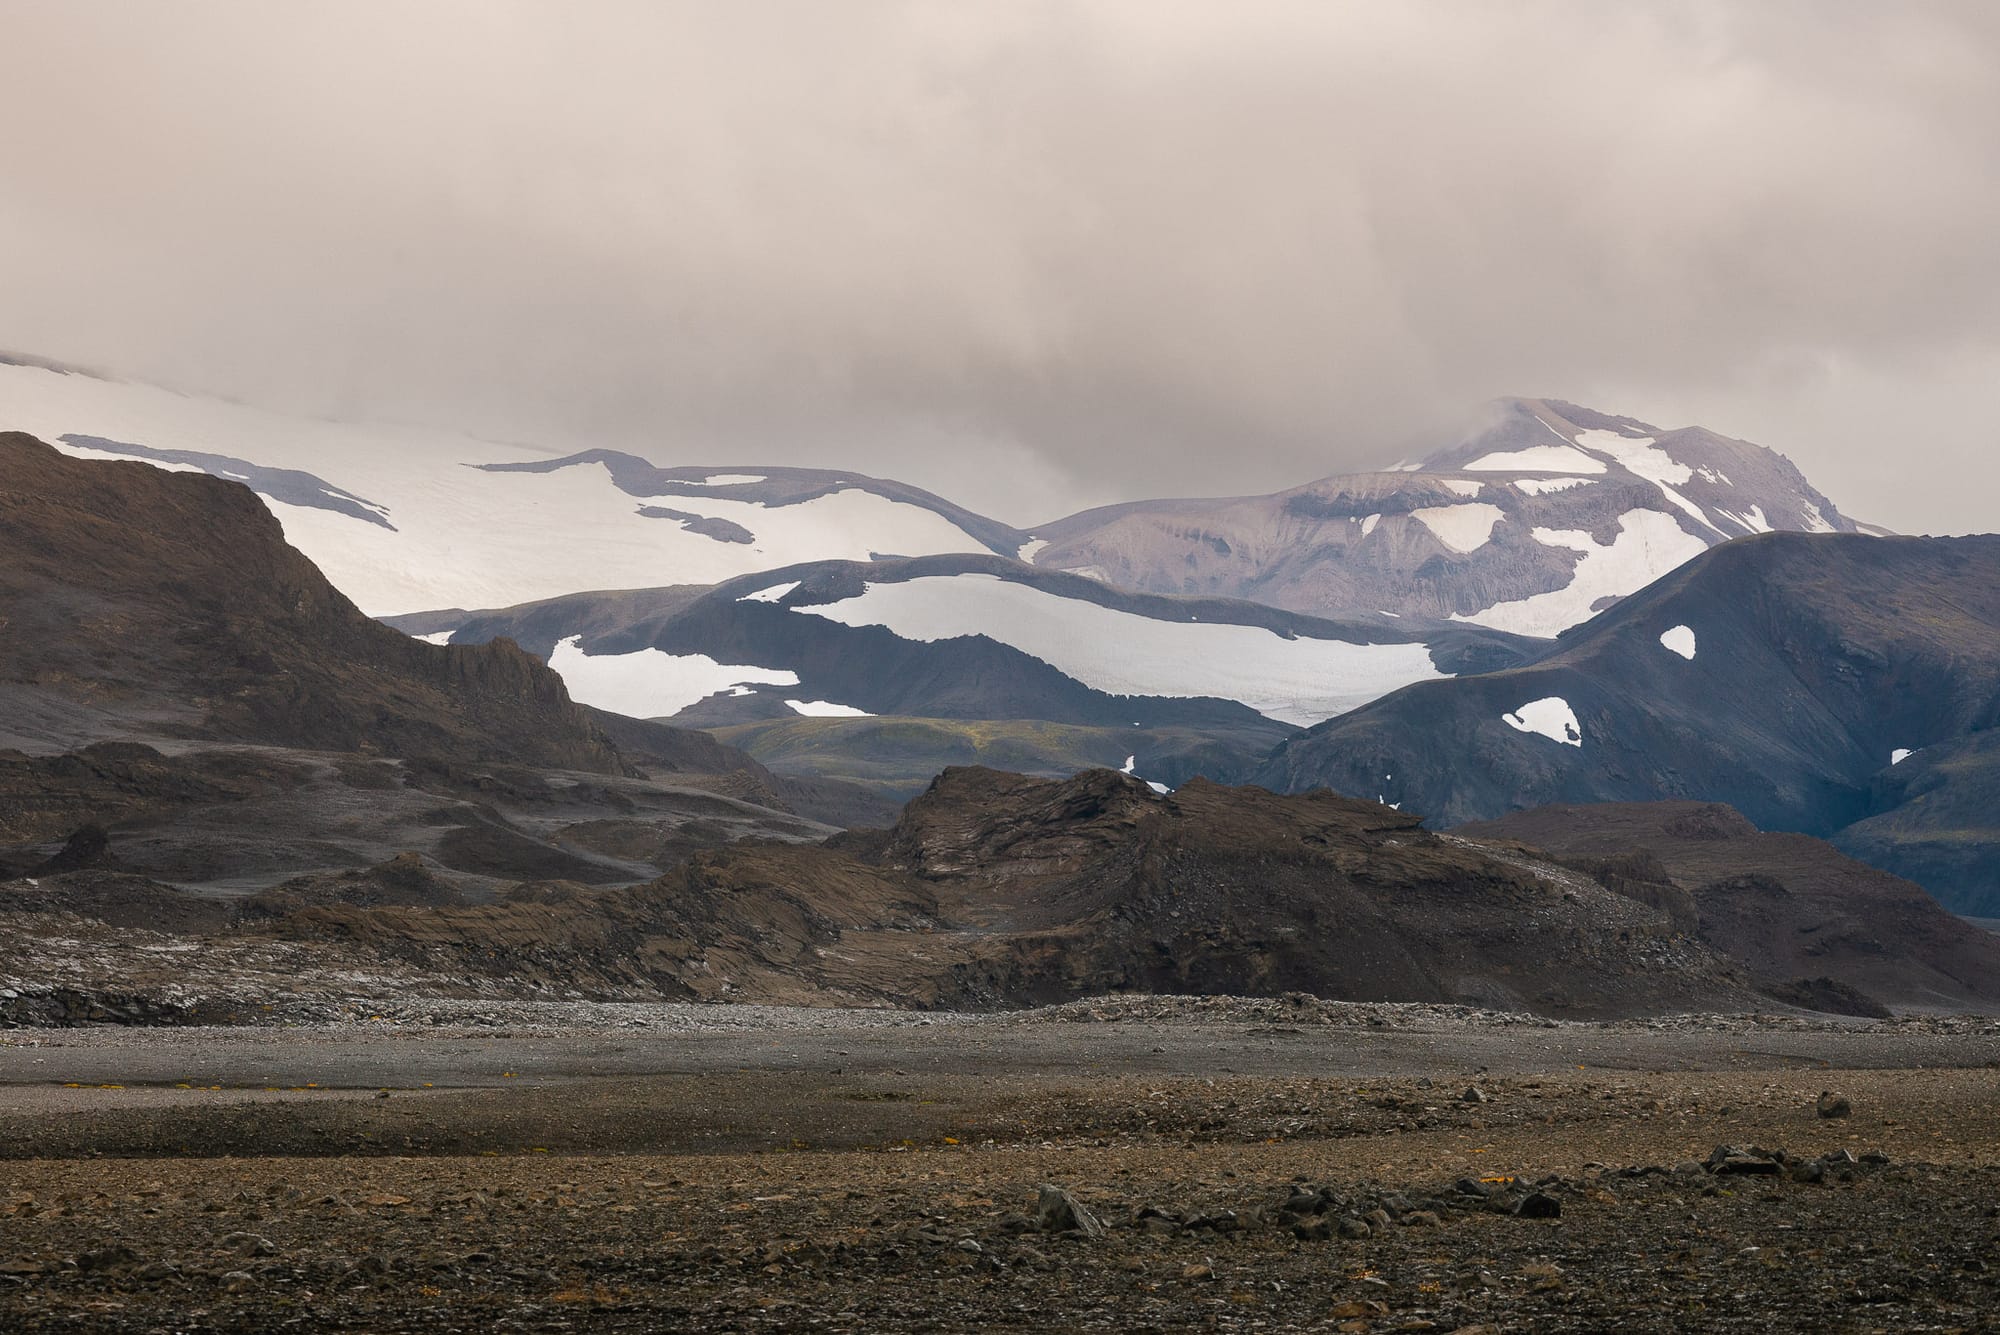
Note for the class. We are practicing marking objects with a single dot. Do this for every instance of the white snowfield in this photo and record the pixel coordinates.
(1542, 486)
(1131, 763)
(1464, 486)
(1026, 555)
(825, 709)
(770, 595)
(464, 537)
(1301, 681)
(1537, 459)
(1649, 544)
(1641, 456)
(1900, 754)
(1463, 528)
(651, 683)
(1549, 717)
(1752, 519)
(1680, 640)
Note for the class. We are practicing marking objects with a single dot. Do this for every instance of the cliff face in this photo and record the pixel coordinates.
(135, 599)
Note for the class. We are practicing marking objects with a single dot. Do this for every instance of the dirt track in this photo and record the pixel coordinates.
(884, 1176)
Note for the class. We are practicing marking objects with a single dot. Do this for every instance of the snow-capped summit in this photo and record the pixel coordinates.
(1550, 514)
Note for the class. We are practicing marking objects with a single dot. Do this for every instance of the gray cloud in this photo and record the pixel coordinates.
(1034, 255)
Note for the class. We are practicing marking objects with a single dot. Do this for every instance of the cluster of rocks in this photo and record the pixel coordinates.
(1320, 1213)
(1299, 1008)
(68, 1008)
(1308, 1213)
(1841, 1165)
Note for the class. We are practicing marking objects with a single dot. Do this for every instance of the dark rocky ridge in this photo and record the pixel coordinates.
(197, 694)
(995, 890)
(776, 486)
(1794, 909)
(170, 601)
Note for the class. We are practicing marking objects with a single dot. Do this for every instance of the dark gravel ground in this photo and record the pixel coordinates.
(892, 1182)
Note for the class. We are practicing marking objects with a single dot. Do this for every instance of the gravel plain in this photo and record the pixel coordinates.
(1216, 1164)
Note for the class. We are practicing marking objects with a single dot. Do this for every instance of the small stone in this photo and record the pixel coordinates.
(1538, 1205)
(1726, 1160)
(1358, 1307)
(1198, 1272)
(248, 1244)
(1350, 1227)
(1312, 1230)
(238, 1281)
(1474, 1094)
(158, 1271)
(1831, 1104)
(1377, 1219)
(1420, 1219)
(1056, 1211)
(114, 1257)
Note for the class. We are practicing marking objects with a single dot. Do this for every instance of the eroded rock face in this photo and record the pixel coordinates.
(139, 598)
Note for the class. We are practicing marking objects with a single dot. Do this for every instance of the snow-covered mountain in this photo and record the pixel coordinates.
(402, 519)
(1549, 515)
(977, 638)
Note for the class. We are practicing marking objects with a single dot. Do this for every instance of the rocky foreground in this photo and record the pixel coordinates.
(1147, 1165)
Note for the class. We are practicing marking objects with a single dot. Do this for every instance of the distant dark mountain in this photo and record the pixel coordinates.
(889, 671)
(1548, 515)
(184, 697)
(1836, 685)
(1812, 924)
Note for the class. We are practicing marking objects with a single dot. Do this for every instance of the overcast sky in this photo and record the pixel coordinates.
(1034, 255)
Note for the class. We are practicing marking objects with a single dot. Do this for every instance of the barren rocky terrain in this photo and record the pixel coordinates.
(1139, 1164)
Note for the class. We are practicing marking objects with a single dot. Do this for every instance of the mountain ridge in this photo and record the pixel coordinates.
(1793, 676)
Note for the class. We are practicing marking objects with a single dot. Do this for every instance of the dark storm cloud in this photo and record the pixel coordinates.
(1032, 254)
